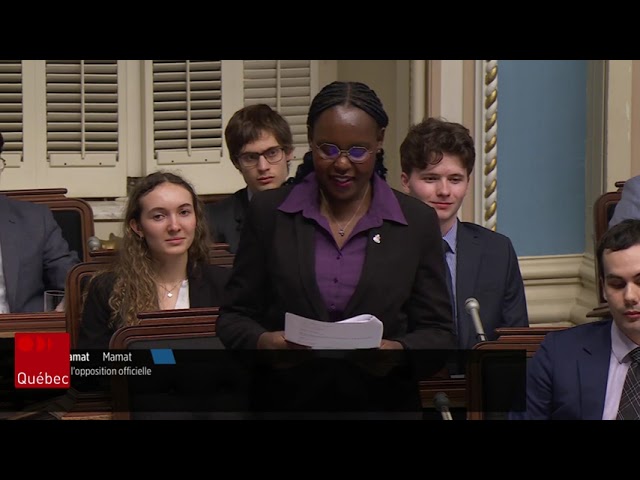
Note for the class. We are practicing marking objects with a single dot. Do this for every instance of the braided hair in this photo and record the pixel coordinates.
(356, 94)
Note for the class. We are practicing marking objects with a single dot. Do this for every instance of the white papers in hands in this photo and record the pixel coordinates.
(362, 331)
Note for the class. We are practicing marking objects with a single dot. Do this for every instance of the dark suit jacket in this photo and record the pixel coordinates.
(225, 218)
(402, 281)
(205, 290)
(35, 256)
(567, 377)
(487, 269)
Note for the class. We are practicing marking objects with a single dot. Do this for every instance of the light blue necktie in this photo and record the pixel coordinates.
(447, 248)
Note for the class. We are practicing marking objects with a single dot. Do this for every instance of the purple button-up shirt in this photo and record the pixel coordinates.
(338, 269)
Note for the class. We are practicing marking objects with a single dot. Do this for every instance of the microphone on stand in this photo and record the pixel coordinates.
(441, 402)
(472, 307)
(94, 243)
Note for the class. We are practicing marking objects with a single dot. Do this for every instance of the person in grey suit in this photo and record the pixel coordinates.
(260, 145)
(629, 204)
(33, 254)
(437, 159)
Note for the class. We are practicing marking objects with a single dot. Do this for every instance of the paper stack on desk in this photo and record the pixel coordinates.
(363, 331)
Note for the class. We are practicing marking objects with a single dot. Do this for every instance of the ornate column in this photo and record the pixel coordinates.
(490, 143)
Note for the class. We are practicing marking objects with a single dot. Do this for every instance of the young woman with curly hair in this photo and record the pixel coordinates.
(162, 263)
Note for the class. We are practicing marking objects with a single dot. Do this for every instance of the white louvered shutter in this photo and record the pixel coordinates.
(187, 111)
(11, 110)
(284, 85)
(82, 112)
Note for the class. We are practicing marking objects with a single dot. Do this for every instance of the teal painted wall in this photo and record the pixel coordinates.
(541, 155)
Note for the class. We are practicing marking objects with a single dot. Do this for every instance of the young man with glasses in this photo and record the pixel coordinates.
(34, 256)
(260, 145)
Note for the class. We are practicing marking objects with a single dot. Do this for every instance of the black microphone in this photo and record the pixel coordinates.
(472, 307)
(94, 243)
(441, 402)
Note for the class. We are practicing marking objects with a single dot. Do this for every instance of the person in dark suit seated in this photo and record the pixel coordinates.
(592, 371)
(162, 262)
(437, 159)
(260, 145)
(629, 204)
(34, 256)
(340, 243)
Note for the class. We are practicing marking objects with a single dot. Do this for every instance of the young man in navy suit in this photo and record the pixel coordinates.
(591, 372)
(437, 159)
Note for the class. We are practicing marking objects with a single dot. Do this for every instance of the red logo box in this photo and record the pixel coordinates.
(42, 360)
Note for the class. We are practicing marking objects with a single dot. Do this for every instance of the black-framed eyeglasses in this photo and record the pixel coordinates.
(329, 151)
(250, 159)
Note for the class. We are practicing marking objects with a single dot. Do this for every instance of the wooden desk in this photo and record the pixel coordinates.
(72, 405)
(505, 333)
(10, 323)
(97, 405)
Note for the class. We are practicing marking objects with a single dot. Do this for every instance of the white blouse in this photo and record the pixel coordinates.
(183, 295)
